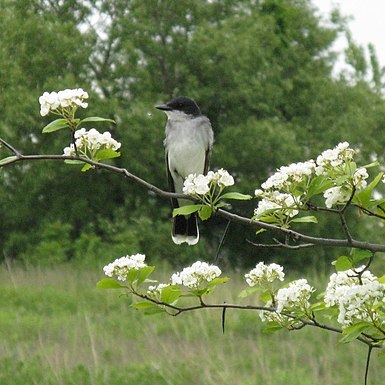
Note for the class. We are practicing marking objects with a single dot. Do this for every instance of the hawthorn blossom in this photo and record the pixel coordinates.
(195, 275)
(336, 195)
(296, 296)
(89, 142)
(275, 200)
(122, 266)
(69, 98)
(359, 178)
(201, 184)
(155, 291)
(263, 274)
(332, 158)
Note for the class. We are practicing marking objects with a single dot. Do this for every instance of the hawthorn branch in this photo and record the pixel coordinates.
(256, 224)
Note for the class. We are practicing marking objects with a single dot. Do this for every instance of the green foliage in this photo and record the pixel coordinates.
(262, 72)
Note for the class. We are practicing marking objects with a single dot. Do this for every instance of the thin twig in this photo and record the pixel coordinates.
(370, 348)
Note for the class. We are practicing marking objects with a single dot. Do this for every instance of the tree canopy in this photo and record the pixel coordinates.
(262, 71)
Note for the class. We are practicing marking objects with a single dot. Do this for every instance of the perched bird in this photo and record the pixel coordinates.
(188, 142)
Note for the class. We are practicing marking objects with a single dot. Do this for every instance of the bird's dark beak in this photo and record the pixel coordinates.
(163, 107)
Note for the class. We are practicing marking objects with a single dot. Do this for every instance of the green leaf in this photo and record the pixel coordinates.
(318, 185)
(354, 331)
(382, 279)
(373, 164)
(249, 291)
(154, 310)
(95, 119)
(144, 273)
(8, 159)
(56, 125)
(132, 274)
(359, 255)
(218, 281)
(142, 305)
(308, 219)
(106, 154)
(363, 197)
(236, 195)
(170, 294)
(73, 161)
(86, 167)
(186, 210)
(205, 212)
(343, 263)
(260, 231)
(109, 283)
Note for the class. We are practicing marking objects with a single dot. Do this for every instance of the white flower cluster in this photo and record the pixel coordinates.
(287, 175)
(195, 275)
(275, 200)
(50, 102)
(277, 191)
(263, 274)
(91, 141)
(155, 291)
(200, 184)
(357, 300)
(122, 266)
(336, 195)
(274, 193)
(295, 296)
(335, 157)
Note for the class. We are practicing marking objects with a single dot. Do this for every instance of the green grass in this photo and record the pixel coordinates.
(57, 328)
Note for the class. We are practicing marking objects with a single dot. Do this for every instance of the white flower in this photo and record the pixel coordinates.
(357, 298)
(89, 142)
(277, 180)
(296, 296)
(359, 178)
(122, 266)
(156, 291)
(201, 184)
(195, 275)
(265, 205)
(334, 157)
(225, 179)
(69, 98)
(335, 195)
(338, 283)
(275, 200)
(262, 274)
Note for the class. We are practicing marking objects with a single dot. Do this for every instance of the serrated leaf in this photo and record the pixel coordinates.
(55, 125)
(170, 294)
(106, 154)
(205, 212)
(343, 263)
(142, 305)
(109, 283)
(144, 273)
(8, 159)
(95, 119)
(307, 219)
(236, 196)
(354, 331)
(186, 210)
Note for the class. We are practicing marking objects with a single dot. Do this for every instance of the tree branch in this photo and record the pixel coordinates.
(290, 234)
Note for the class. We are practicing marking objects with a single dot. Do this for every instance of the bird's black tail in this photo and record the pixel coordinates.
(185, 229)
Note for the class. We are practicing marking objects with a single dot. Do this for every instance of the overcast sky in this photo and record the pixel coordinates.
(368, 24)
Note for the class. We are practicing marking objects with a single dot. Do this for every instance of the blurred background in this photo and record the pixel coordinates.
(265, 73)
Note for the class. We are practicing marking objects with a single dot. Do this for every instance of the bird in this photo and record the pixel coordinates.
(188, 143)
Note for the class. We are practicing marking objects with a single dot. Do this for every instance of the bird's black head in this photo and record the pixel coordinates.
(182, 104)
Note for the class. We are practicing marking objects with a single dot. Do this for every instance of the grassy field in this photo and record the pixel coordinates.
(57, 328)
